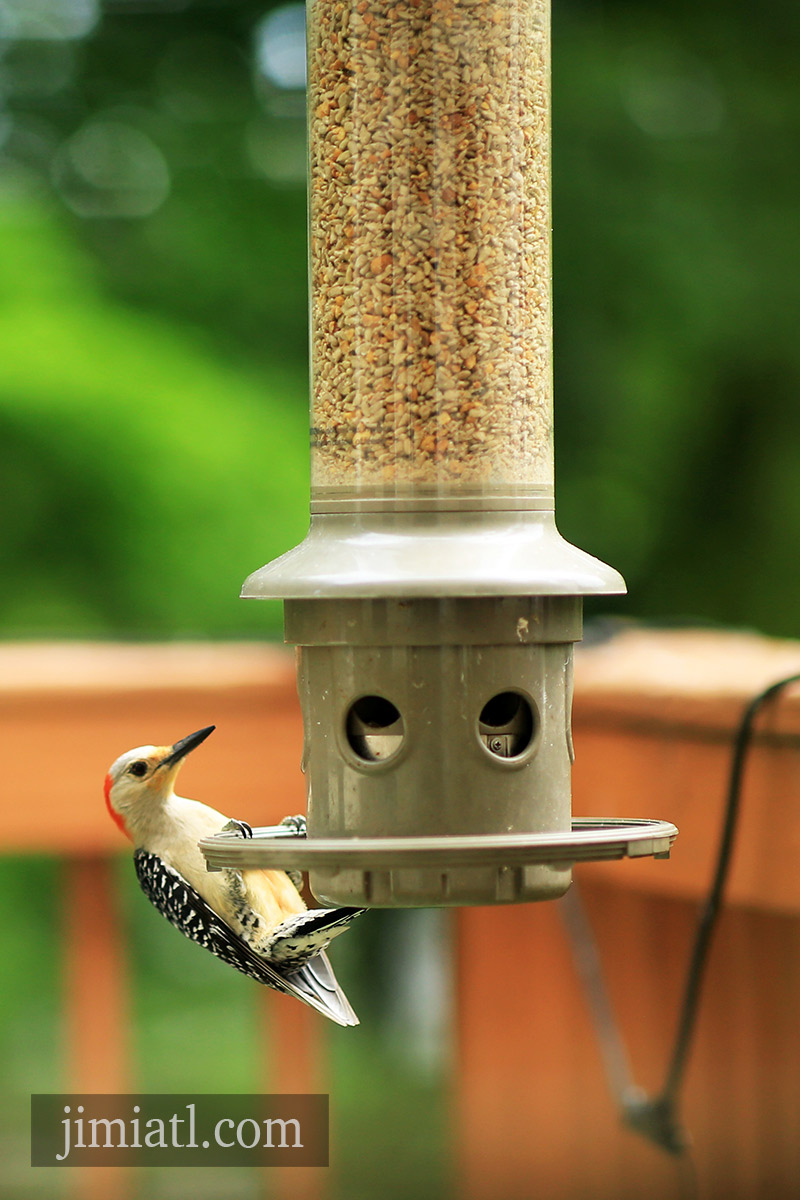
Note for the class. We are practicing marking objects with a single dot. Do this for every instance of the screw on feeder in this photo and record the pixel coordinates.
(506, 724)
(433, 601)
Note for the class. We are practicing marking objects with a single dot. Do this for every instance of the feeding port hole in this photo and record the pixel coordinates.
(507, 725)
(374, 729)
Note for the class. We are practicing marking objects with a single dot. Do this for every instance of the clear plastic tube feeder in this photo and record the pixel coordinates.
(433, 601)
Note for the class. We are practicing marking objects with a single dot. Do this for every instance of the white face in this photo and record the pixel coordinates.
(138, 775)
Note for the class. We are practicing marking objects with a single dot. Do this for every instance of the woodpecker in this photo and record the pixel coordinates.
(254, 920)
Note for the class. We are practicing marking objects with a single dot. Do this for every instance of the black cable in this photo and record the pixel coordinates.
(708, 917)
(657, 1117)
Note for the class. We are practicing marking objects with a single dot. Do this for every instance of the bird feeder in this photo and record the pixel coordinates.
(433, 601)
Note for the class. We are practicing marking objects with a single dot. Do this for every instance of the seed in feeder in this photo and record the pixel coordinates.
(435, 216)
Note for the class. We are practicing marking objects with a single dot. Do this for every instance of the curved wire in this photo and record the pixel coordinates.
(656, 1117)
(708, 917)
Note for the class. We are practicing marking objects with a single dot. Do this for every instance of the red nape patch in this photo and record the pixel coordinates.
(115, 817)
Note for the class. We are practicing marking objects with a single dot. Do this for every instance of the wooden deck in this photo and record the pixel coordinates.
(654, 716)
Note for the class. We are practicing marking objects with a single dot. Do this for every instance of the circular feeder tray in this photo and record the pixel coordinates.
(590, 840)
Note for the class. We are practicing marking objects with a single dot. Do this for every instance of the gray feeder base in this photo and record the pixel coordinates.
(433, 871)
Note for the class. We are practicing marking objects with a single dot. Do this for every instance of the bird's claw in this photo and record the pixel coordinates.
(297, 823)
(297, 879)
(241, 827)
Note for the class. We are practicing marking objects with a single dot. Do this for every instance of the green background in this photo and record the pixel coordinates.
(153, 367)
(153, 427)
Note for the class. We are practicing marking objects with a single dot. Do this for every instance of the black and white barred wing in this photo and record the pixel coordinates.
(314, 983)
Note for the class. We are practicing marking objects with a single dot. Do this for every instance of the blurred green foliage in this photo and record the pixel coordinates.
(135, 491)
(677, 362)
(153, 309)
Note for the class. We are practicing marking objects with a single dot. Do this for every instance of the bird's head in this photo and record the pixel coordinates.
(144, 778)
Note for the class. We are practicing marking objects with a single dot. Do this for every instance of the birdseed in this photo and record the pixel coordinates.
(430, 243)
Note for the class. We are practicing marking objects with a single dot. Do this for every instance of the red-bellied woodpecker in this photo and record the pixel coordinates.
(255, 920)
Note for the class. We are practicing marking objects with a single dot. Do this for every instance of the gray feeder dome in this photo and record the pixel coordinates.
(433, 601)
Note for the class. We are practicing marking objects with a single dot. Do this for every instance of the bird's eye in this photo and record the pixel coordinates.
(138, 768)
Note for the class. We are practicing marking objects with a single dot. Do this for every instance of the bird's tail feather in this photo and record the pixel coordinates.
(299, 938)
(315, 983)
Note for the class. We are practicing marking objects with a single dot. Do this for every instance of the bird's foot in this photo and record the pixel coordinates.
(297, 823)
(241, 827)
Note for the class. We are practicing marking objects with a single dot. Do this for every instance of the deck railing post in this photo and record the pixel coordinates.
(96, 1003)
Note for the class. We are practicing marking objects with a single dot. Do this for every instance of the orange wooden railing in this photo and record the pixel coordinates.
(654, 716)
(654, 719)
(70, 709)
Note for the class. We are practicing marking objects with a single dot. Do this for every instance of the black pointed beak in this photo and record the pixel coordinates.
(185, 746)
